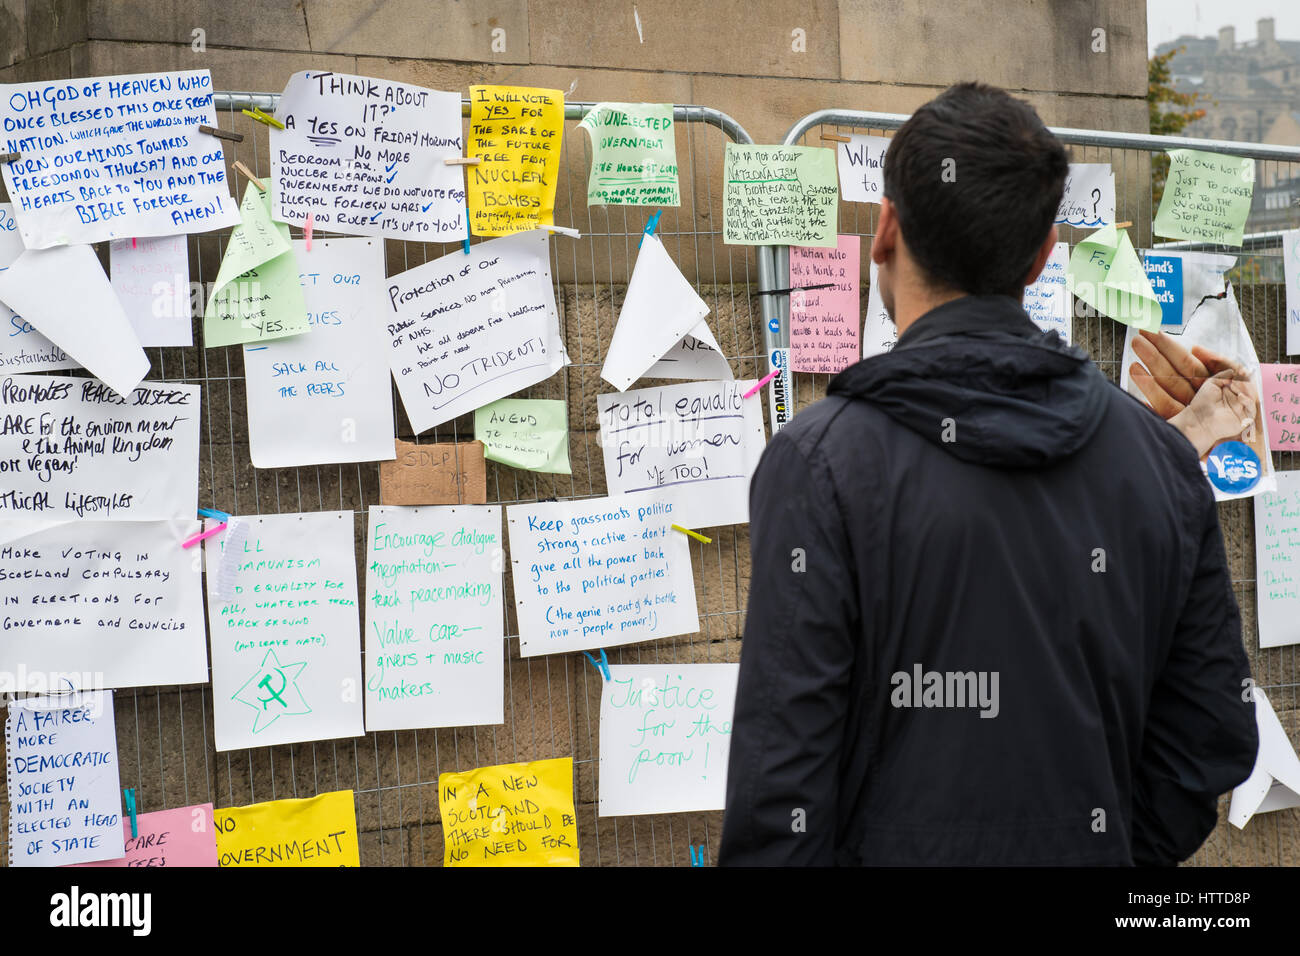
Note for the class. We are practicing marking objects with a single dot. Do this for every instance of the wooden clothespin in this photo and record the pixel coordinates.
(462, 160)
(1124, 225)
(10, 157)
(248, 173)
(836, 138)
(261, 117)
(222, 134)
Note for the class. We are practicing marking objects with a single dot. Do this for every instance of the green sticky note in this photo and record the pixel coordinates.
(527, 433)
(780, 195)
(633, 155)
(255, 240)
(1105, 273)
(1207, 197)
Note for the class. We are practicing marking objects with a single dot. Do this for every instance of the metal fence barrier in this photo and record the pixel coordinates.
(1263, 306)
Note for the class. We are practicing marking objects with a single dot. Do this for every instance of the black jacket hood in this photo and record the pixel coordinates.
(1017, 397)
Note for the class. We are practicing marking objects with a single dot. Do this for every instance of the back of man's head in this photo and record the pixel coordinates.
(976, 180)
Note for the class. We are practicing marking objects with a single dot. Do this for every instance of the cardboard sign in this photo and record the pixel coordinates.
(442, 474)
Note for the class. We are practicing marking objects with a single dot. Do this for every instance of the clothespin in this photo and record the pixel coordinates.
(213, 513)
(133, 242)
(10, 157)
(130, 809)
(601, 665)
(761, 382)
(306, 229)
(697, 860)
(467, 233)
(693, 534)
(261, 117)
(462, 160)
(1123, 225)
(564, 231)
(797, 288)
(203, 534)
(248, 173)
(650, 227)
(222, 134)
(836, 138)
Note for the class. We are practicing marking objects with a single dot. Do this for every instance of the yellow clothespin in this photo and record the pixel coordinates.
(693, 534)
(261, 117)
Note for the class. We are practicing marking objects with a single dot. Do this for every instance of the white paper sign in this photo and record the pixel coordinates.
(1277, 561)
(435, 626)
(327, 396)
(152, 280)
(1274, 783)
(599, 572)
(1046, 300)
(114, 603)
(697, 443)
(71, 448)
(1291, 274)
(61, 762)
(665, 737)
(879, 334)
(1202, 275)
(861, 163)
(111, 157)
(65, 294)
(1089, 199)
(22, 348)
(661, 309)
(466, 330)
(366, 156)
(287, 648)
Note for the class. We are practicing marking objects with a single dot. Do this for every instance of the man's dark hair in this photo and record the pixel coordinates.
(976, 179)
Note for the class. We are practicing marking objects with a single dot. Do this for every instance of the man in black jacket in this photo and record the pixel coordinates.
(990, 618)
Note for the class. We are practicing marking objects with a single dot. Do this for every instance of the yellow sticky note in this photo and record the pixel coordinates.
(515, 814)
(317, 831)
(515, 132)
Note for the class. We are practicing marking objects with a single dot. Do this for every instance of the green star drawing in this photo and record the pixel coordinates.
(273, 692)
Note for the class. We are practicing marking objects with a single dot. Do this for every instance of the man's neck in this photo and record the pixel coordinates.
(907, 309)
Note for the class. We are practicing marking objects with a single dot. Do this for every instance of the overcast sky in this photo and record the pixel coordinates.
(1170, 19)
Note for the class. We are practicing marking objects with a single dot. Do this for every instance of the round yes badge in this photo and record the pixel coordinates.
(1233, 467)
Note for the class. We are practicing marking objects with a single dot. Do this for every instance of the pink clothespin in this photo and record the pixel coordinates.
(761, 382)
(307, 227)
(203, 534)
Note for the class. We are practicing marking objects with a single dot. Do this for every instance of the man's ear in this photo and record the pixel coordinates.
(1040, 260)
(886, 240)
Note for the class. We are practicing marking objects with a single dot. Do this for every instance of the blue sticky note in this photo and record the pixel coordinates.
(1166, 276)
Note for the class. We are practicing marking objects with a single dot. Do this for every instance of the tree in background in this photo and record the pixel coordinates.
(1170, 112)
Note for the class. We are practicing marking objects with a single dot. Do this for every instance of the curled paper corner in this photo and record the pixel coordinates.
(236, 533)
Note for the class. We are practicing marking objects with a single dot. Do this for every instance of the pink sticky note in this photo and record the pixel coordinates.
(824, 323)
(184, 836)
(1281, 403)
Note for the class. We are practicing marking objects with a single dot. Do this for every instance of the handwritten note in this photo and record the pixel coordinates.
(1089, 198)
(665, 737)
(115, 603)
(286, 647)
(72, 448)
(65, 294)
(1282, 405)
(599, 572)
(1277, 561)
(516, 132)
(435, 634)
(698, 444)
(1046, 299)
(326, 397)
(780, 195)
(113, 157)
(1207, 197)
(824, 322)
(861, 164)
(1105, 273)
(1291, 277)
(661, 329)
(879, 334)
(527, 433)
(467, 329)
(61, 763)
(633, 155)
(152, 280)
(517, 814)
(366, 157)
(316, 831)
(184, 836)
(22, 348)
(442, 473)
(257, 295)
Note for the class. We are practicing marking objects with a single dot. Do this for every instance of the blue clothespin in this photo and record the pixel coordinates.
(467, 233)
(213, 513)
(697, 860)
(601, 665)
(650, 227)
(130, 809)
